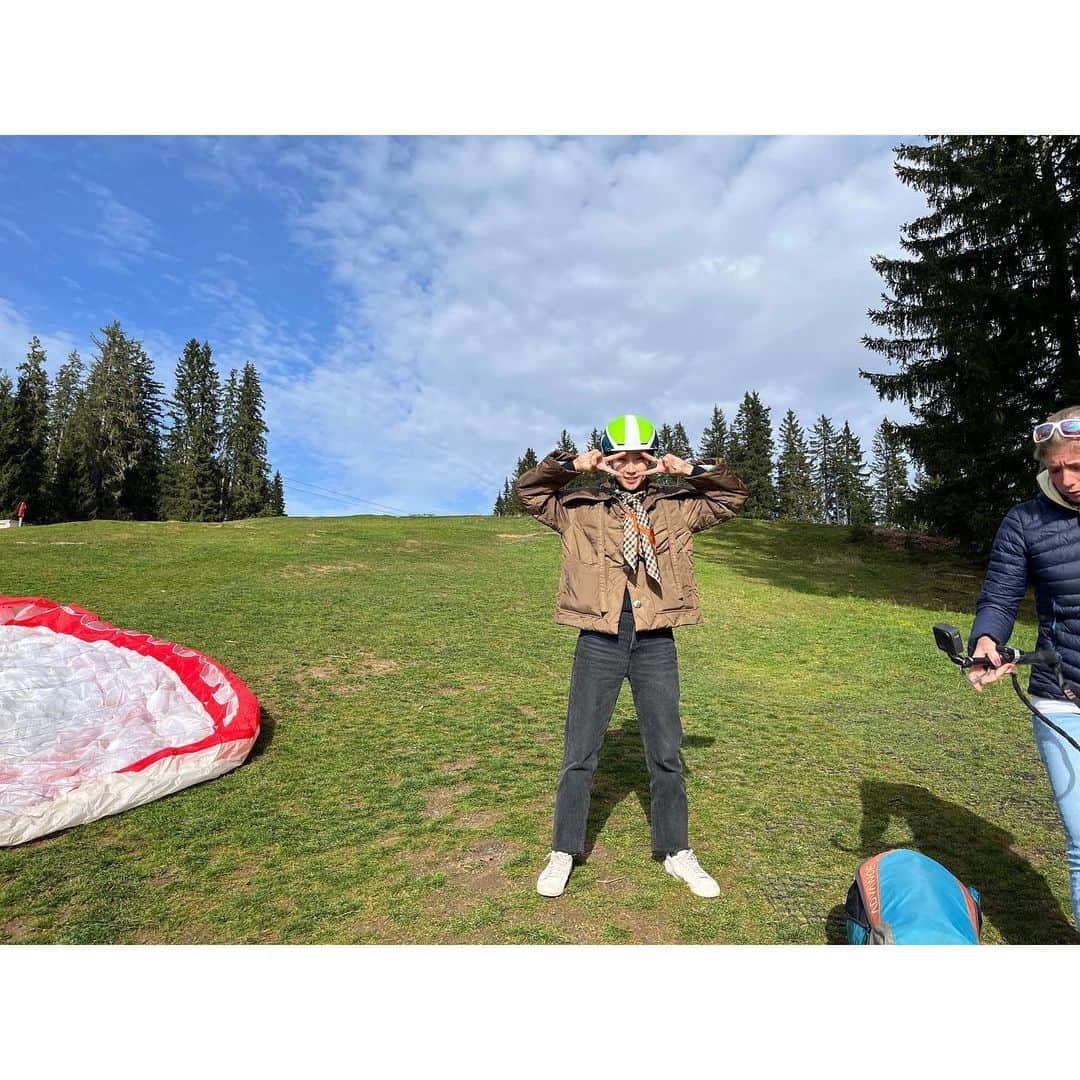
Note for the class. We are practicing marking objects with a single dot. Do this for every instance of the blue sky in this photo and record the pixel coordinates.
(421, 309)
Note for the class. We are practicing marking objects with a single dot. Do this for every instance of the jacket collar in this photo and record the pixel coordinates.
(1046, 485)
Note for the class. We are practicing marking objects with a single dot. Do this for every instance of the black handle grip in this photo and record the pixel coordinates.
(1010, 655)
(1042, 656)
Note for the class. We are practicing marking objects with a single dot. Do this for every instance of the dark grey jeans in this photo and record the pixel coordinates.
(601, 662)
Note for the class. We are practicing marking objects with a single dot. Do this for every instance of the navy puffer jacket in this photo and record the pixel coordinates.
(1038, 543)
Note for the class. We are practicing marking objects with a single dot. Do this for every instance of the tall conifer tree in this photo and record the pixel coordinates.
(750, 456)
(824, 468)
(982, 318)
(122, 449)
(192, 475)
(892, 492)
(246, 465)
(276, 506)
(853, 496)
(31, 420)
(9, 448)
(794, 484)
(714, 439)
(68, 494)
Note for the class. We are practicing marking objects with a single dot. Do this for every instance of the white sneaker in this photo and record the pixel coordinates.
(554, 876)
(684, 865)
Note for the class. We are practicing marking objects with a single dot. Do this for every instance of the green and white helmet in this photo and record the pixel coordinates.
(629, 432)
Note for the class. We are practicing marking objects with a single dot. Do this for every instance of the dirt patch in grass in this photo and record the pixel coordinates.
(438, 802)
(450, 768)
(518, 536)
(478, 873)
(409, 545)
(563, 915)
(381, 930)
(322, 569)
(245, 872)
(480, 819)
(373, 665)
(471, 877)
(648, 927)
(528, 710)
(331, 667)
(18, 929)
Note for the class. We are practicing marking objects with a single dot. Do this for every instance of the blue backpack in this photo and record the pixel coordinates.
(901, 897)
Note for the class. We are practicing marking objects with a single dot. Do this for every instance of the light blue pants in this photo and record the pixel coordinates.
(1062, 763)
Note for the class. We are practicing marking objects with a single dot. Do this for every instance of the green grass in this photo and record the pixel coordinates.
(414, 683)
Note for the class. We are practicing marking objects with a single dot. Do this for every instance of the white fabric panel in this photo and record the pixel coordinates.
(114, 792)
(73, 711)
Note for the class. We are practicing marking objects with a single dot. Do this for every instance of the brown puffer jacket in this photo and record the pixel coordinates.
(590, 522)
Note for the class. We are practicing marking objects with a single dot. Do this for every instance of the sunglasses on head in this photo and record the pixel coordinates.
(1067, 429)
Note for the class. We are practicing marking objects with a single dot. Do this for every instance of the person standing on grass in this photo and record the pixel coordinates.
(627, 579)
(1038, 542)
(21, 512)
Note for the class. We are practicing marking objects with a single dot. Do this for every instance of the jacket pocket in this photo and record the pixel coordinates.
(581, 587)
(582, 543)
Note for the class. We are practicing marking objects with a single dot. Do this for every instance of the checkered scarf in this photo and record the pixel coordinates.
(638, 534)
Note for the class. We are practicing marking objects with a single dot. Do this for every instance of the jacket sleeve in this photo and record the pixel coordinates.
(1005, 583)
(538, 489)
(719, 496)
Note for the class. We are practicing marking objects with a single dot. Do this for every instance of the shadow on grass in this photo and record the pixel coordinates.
(622, 771)
(1015, 898)
(823, 560)
(267, 723)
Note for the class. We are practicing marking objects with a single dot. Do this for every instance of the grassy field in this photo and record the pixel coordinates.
(413, 686)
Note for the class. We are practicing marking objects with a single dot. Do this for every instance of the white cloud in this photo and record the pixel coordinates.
(123, 237)
(498, 290)
(15, 335)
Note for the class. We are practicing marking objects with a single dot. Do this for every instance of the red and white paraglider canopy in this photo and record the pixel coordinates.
(94, 720)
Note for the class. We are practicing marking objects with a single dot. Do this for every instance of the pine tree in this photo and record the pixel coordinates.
(714, 439)
(192, 475)
(892, 492)
(226, 454)
(750, 456)
(9, 448)
(595, 438)
(794, 485)
(983, 311)
(824, 469)
(122, 441)
(511, 502)
(31, 420)
(673, 440)
(504, 504)
(68, 494)
(680, 443)
(566, 443)
(246, 465)
(853, 496)
(276, 505)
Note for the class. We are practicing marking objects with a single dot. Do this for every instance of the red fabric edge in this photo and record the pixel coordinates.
(870, 886)
(188, 664)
